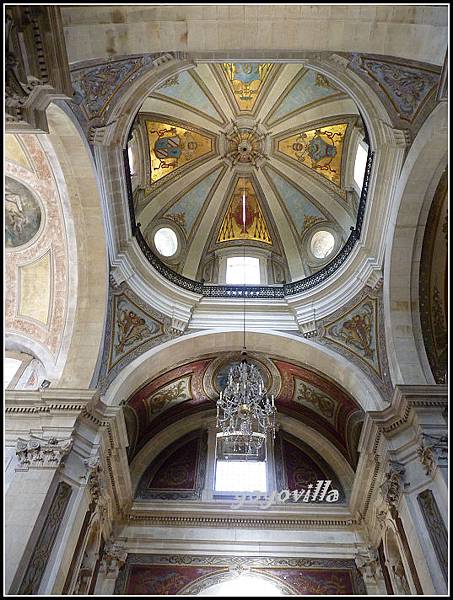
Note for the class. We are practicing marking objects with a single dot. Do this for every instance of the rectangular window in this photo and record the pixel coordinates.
(240, 476)
(360, 164)
(243, 270)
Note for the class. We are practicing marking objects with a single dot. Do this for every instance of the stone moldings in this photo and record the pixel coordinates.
(434, 283)
(146, 574)
(37, 69)
(41, 553)
(436, 529)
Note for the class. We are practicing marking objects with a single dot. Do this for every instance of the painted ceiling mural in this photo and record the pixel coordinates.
(172, 146)
(256, 121)
(319, 149)
(246, 81)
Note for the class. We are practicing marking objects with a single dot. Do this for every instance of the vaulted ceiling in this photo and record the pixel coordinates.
(193, 387)
(280, 135)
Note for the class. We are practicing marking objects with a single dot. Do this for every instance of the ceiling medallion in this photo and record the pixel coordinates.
(244, 146)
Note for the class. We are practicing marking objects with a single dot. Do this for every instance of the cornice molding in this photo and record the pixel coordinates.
(237, 522)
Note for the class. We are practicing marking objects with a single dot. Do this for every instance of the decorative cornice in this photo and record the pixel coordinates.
(236, 522)
(44, 453)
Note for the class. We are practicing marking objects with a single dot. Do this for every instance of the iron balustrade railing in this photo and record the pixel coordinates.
(252, 291)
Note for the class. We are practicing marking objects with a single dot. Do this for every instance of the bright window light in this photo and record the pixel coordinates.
(166, 241)
(243, 270)
(243, 585)
(240, 476)
(322, 244)
(11, 366)
(360, 165)
(130, 155)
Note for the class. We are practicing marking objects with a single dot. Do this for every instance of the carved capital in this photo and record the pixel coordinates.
(113, 558)
(392, 485)
(433, 452)
(37, 452)
(368, 564)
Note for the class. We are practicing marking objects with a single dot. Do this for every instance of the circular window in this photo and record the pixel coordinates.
(166, 241)
(322, 244)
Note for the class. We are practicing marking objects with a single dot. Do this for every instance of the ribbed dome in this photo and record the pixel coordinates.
(247, 154)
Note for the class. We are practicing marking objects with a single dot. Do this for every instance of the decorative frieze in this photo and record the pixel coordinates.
(44, 453)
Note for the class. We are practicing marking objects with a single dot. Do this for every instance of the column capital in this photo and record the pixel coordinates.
(42, 453)
(113, 558)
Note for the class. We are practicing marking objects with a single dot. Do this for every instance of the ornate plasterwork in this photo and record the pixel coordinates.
(37, 273)
(433, 452)
(392, 486)
(357, 332)
(132, 328)
(405, 88)
(113, 557)
(43, 453)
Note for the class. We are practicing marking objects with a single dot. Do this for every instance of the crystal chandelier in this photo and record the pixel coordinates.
(245, 413)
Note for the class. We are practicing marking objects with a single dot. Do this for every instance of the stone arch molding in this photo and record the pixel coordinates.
(74, 168)
(422, 169)
(287, 346)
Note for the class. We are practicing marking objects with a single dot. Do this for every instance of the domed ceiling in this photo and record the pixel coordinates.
(234, 155)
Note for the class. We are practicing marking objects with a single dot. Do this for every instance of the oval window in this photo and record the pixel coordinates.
(166, 241)
(322, 244)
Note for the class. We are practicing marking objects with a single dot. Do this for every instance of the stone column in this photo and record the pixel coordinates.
(113, 559)
(27, 499)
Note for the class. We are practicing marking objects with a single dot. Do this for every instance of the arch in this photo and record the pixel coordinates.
(74, 164)
(244, 584)
(425, 161)
(164, 438)
(285, 345)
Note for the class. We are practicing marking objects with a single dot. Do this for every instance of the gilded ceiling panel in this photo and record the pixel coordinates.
(172, 146)
(320, 149)
(246, 81)
(244, 219)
